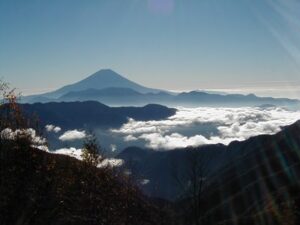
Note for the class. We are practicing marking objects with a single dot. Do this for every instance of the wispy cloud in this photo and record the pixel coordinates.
(52, 128)
(73, 135)
(230, 124)
(113, 147)
(144, 182)
(111, 162)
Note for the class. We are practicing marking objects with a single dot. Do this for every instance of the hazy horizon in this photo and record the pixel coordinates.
(279, 89)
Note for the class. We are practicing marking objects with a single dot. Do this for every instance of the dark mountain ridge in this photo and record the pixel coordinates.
(220, 160)
(261, 183)
(91, 114)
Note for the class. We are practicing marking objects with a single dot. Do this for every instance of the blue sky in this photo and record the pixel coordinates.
(236, 45)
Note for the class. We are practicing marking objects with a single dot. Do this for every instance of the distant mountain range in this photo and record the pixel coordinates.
(102, 79)
(109, 87)
(91, 114)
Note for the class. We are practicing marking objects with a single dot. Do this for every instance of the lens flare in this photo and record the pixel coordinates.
(283, 23)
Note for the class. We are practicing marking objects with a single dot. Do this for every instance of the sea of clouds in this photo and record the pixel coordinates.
(188, 127)
(222, 125)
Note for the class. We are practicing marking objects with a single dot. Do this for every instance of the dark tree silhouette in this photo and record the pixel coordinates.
(92, 152)
(192, 181)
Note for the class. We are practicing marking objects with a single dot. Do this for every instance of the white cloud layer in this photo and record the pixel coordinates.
(52, 128)
(145, 182)
(73, 152)
(230, 123)
(77, 153)
(73, 135)
(37, 141)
